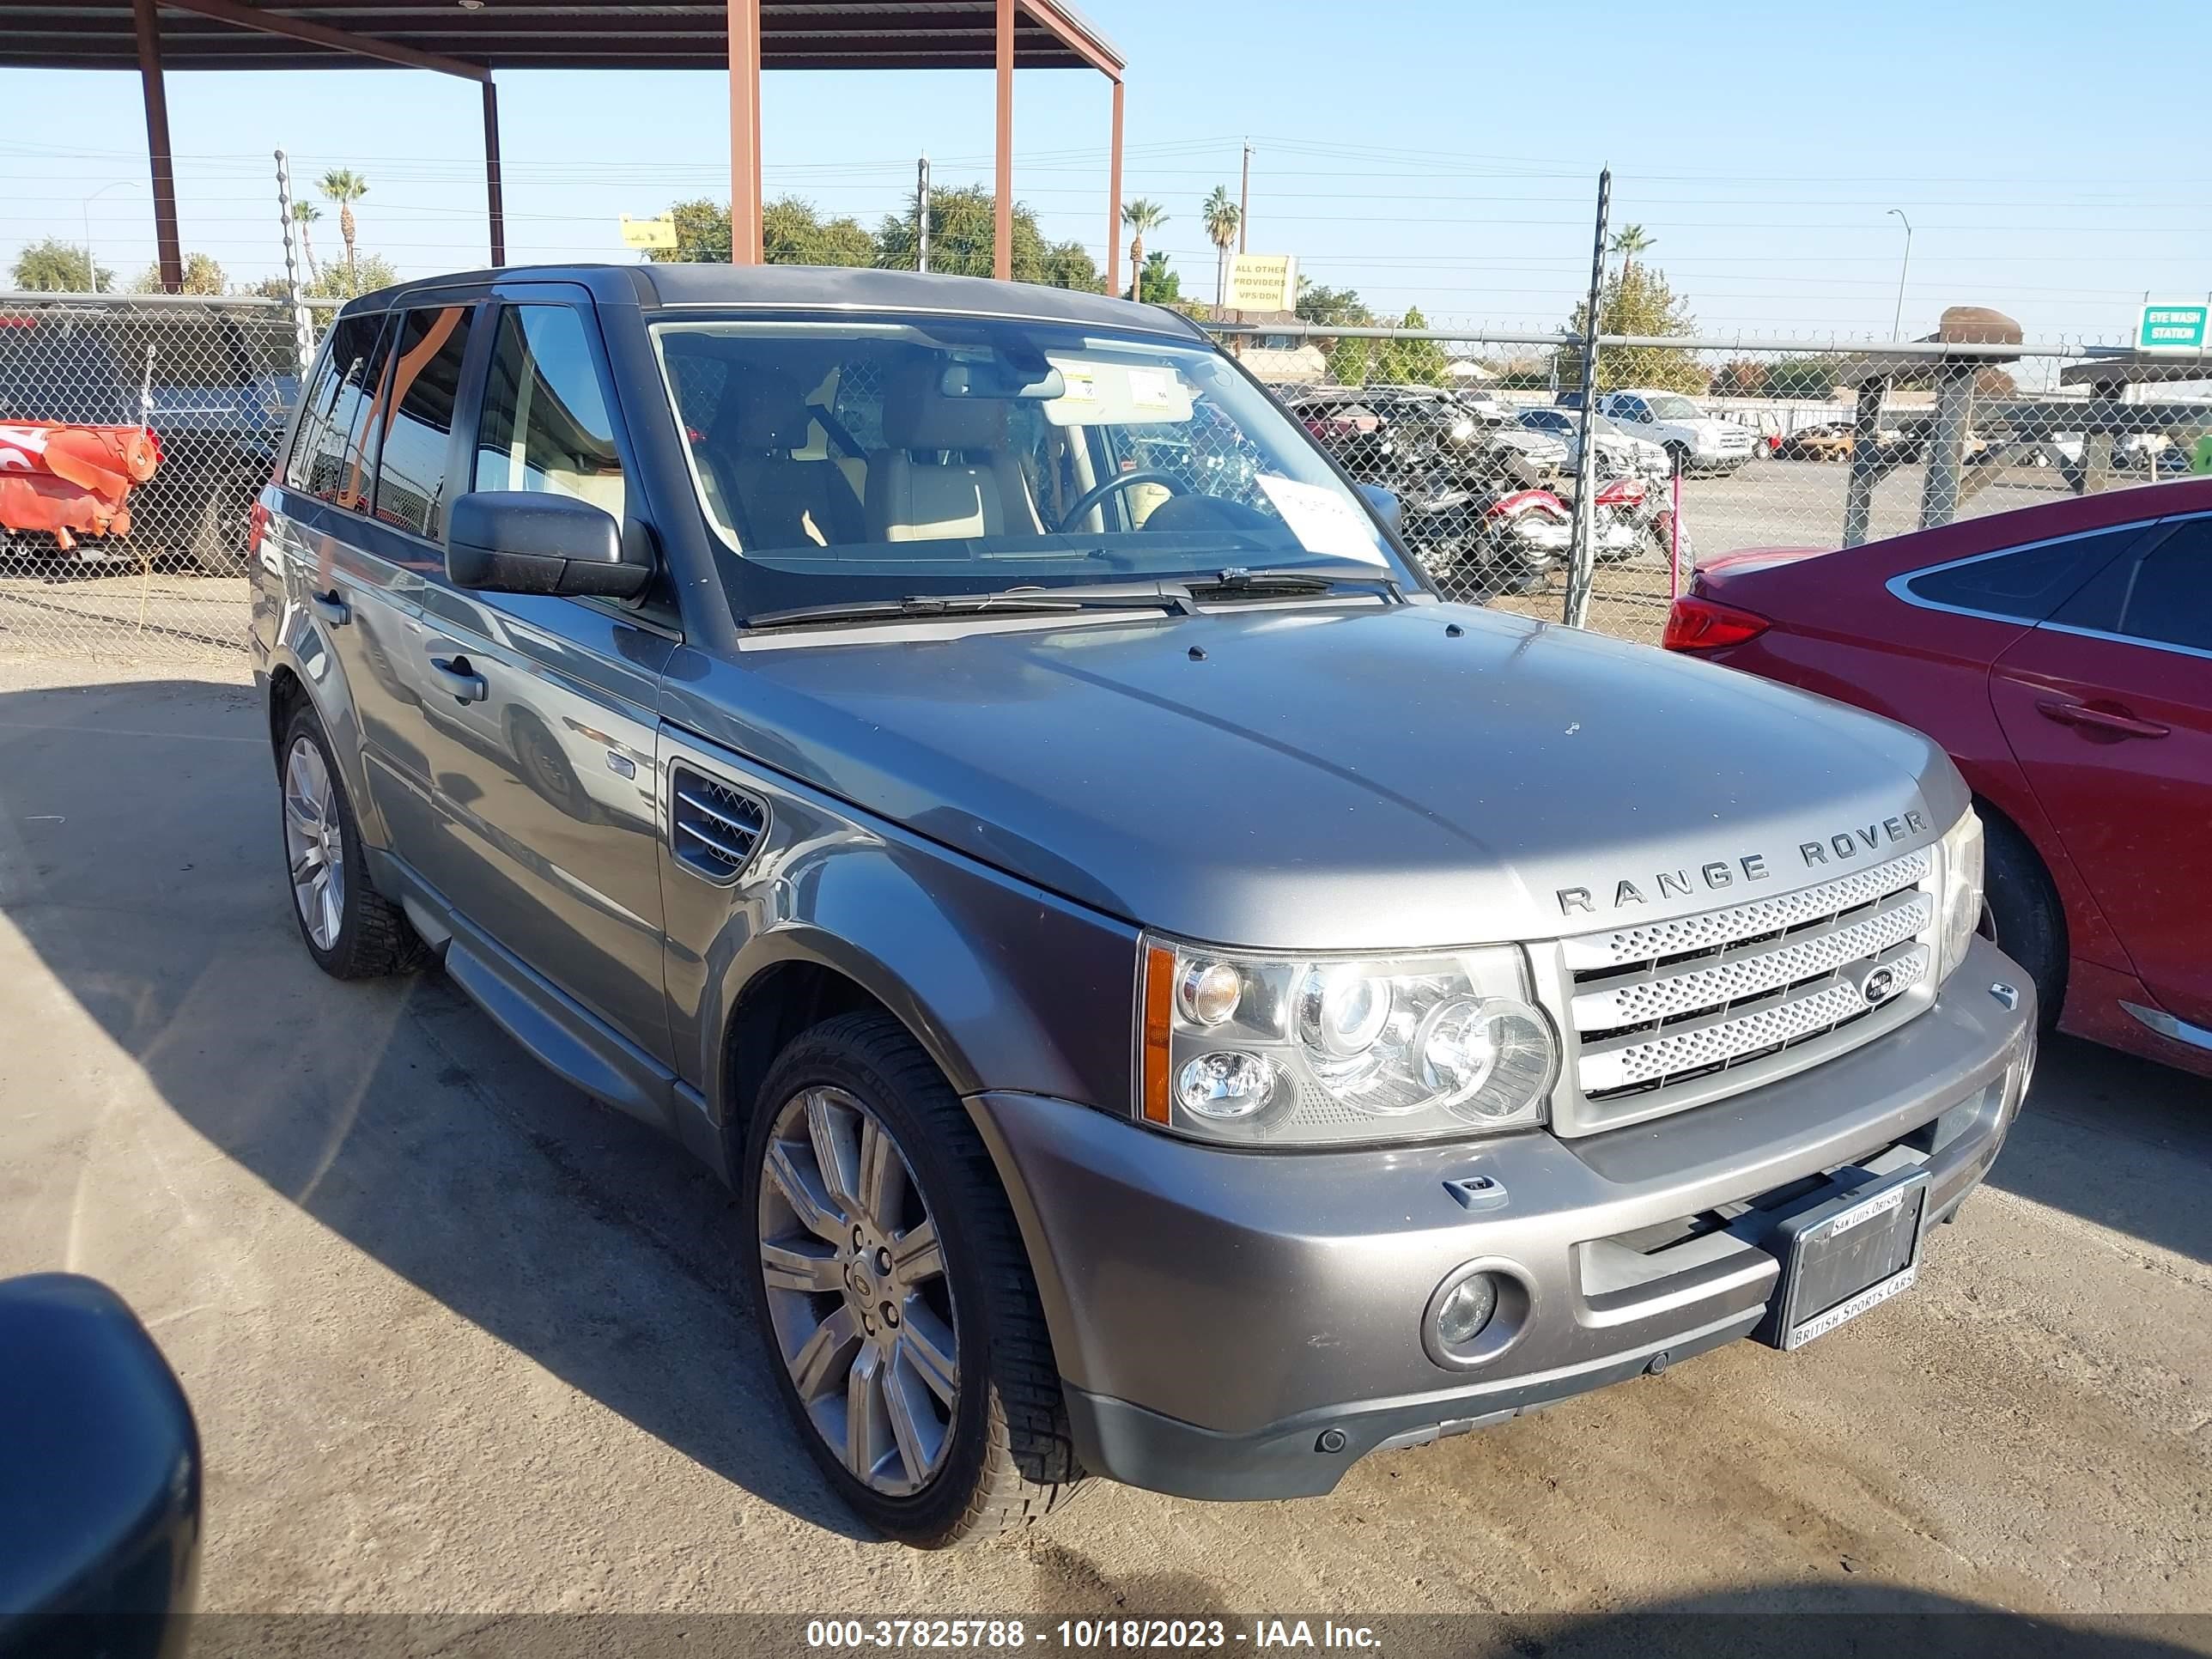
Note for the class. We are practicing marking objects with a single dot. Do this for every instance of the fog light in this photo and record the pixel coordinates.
(1225, 1085)
(1466, 1310)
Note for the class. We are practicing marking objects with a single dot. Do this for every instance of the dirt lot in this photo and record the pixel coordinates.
(460, 1341)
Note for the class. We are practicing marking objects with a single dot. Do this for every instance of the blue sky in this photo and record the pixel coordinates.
(1442, 155)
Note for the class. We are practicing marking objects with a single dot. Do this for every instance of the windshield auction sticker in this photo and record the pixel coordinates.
(1322, 521)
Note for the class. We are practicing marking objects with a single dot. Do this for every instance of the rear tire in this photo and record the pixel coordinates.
(212, 546)
(352, 931)
(2030, 921)
(1006, 1457)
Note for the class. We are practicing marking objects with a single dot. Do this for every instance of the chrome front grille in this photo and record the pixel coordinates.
(1657, 1010)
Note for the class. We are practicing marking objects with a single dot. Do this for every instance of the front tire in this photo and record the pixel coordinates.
(352, 931)
(893, 1293)
(2031, 922)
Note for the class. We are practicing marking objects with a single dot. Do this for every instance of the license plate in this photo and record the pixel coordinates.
(1840, 1257)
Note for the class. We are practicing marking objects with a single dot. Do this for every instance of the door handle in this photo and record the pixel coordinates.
(2112, 722)
(331, 608)
(458, 677)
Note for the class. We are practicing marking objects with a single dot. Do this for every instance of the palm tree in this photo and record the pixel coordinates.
(1629, 241)
(345, 187)
(1140, 215)
(303, 215)
(1221, 218)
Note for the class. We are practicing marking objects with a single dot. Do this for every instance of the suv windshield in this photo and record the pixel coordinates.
(876, 458)
(1670, 406)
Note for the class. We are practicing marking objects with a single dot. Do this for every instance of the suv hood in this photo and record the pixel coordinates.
(1325, 778)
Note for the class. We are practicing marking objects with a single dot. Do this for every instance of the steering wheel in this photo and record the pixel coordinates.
(1097, 493)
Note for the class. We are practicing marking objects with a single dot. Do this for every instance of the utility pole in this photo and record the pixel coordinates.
(1897, 321)
(921, 216)
(1244, 199)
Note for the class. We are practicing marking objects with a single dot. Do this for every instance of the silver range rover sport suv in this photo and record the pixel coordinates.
(1177, 1002)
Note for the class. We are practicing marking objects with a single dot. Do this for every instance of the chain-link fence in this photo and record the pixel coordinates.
(1700, 446)
(134, 432)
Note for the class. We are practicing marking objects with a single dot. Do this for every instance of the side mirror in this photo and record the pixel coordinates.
(529, 541)
(99, 1476)
(1386, 506)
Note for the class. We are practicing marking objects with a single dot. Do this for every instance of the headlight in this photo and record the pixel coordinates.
(1961, 854)
(1280, 1050)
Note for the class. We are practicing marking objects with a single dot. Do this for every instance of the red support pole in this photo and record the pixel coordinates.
(169, 247)
(1002, 225)
(744, 132)
(1113, 199)
(494, 191)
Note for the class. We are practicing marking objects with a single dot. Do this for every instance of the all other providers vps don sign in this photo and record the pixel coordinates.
(2178, 325)
(1263, 281)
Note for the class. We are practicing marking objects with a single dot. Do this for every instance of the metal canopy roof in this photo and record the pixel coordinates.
(519, 35)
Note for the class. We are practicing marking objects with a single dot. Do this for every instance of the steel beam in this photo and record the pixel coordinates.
(168, 245)
(1114, 197)
(1002, 218)
(744, 132)
(321, 35)
(495, 189)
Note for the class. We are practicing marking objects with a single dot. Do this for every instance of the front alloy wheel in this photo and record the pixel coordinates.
(854, 1279)
(893, 1296)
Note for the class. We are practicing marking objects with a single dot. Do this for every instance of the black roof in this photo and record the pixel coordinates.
(786, 288)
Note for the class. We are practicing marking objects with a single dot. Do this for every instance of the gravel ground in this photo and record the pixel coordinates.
(462, 1342)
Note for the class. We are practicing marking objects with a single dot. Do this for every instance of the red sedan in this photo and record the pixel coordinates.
(2062, 654)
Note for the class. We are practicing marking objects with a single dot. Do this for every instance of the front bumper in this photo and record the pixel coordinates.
(1246, 1325)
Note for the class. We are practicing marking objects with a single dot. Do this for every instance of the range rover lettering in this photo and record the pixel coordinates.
(1177, 1001)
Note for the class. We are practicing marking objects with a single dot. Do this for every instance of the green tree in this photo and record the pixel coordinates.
(1348, 360)
(202, 275)
(364, 275)
(304, 215)
(1629, 241)
(1411, 363)
(963, 234)
(793, 234)
(53, 266)
(1161, 286)
(1636, 300)
(1140, 215)
(1801, 377)
(702, 234)
(344, 187)
(1222, 218)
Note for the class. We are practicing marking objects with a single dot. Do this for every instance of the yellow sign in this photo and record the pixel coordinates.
(650, 232)
(1263, 281)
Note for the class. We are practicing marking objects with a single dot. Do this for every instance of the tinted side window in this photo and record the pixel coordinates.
(426, 384)
(2170, 599)
(545, 425)
(328, 461)
(2028, 583)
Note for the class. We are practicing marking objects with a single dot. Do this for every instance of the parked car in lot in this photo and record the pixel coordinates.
(213, 386)
(2062, 655)
(1478, 510)
(1694, 440)
(1177, 1002)
(1831, 440)
(1619, 454)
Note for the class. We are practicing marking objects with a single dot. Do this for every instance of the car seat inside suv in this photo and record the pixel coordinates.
(948, 471)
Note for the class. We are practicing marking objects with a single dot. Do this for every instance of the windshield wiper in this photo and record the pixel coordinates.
(1238, 583)
(1010, 602)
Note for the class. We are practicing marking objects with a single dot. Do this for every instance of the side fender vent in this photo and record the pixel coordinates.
(713, 828)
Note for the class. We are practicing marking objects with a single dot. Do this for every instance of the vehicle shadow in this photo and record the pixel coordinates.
(139, 856)
(1816, 1619)
(2116, 1141)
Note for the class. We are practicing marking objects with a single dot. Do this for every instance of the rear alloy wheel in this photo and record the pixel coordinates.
(895, 1296)
(352, 930)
